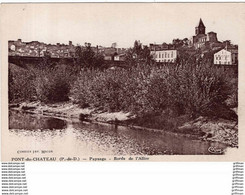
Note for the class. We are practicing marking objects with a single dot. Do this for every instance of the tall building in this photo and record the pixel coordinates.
(200, 37)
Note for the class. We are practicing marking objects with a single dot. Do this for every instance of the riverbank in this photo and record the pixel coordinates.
(202, 128)
(70, 110)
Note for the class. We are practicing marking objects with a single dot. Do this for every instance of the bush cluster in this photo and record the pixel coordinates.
(47, 84)
(20, 86)
(191, 88)
(183, 89)
(52, 84)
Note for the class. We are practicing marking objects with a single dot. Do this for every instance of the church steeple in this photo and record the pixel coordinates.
(200, 29)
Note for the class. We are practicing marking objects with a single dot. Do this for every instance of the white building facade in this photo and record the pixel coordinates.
(225, 57)
(120, 57)
(165, 55)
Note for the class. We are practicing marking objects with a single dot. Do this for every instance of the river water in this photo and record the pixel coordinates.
(30, 132)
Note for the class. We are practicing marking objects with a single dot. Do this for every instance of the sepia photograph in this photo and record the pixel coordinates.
(121, 81)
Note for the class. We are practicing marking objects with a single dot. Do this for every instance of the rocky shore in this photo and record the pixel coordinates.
(72, 111)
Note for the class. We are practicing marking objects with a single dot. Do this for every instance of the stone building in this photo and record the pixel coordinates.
(200, 37)
(39, 49)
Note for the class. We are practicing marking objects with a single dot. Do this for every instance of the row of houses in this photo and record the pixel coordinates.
(40, 49)
(224, 55)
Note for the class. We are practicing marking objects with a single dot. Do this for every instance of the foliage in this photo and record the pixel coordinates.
(139, 55)
(199, 88)
(86, 58)
(177, 43)
(191, 87)
(52, 84)
(20, 84)
(182, 89)
(44, 83)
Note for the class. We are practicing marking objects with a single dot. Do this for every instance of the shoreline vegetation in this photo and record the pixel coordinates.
(191, 96)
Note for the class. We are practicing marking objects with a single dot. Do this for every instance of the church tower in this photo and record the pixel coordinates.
(200, 29)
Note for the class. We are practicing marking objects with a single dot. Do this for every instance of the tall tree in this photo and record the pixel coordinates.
(86, 58)
(139, 54)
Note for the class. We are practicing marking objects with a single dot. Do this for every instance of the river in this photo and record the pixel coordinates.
(65, 137)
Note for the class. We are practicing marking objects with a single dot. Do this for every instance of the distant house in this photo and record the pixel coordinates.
(39, 49)
(165, 55)
(159, 47)
(108, 57)
(120, 57)
(226, 57)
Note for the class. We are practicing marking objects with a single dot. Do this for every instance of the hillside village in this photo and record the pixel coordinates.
(224, 53)
(180, 86)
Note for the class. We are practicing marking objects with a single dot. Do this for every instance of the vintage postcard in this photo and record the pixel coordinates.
(122, 82)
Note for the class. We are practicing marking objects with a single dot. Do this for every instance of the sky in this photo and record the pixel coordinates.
(123, 23)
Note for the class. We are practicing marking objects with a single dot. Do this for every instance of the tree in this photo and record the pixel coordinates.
(139, 54)
(180, 42)
(86, 58)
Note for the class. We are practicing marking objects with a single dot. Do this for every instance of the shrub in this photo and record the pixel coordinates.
(20, 84)
(52, 84)
(199, 88)
(182, 89)
(102, 89)
(192, 88)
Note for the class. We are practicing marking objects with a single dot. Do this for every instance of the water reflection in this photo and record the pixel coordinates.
(69, 138)
(22, 120)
